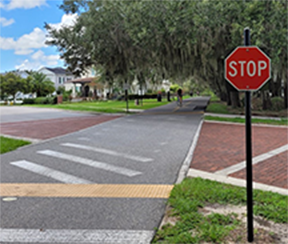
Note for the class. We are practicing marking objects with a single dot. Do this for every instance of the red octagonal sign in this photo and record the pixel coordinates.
(247, 68)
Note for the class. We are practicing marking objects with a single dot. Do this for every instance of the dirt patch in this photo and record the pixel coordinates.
(264, 231)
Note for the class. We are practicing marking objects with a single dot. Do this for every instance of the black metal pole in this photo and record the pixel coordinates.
(126, 96)
(249, 172)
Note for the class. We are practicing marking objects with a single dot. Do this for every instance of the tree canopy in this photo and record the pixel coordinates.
(10, 84)
(173, 39)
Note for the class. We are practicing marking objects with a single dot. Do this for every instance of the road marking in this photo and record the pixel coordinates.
(51, 173)
(85, 190)
(89, 162)
(163, 143)
(237, 167)
(106, 151)
(76, 236)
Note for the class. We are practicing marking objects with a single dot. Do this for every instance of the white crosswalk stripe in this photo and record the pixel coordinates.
(76, 236)
(106, 151)
(54, 174)
(92, 163)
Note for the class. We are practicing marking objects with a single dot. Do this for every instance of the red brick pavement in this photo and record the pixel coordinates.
(222, 145)
(45, 129)
(272, 171)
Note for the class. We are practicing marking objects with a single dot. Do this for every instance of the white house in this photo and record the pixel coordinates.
(57, 75)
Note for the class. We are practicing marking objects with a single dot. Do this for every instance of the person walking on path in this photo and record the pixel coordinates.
(179, 95)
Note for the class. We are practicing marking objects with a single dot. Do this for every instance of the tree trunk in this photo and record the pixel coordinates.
(264, 102)
(234, 97)
(285, 95)
(227, 93)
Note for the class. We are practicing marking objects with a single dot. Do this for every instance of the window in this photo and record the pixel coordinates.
(59, 81)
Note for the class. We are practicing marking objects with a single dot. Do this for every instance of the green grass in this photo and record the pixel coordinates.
(8, 144)
(193, 227)
(105, 106)
(282, 121)
(218, 108)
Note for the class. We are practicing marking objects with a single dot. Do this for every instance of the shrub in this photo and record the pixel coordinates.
(29, 101)
(257, 103)
(277, 103)
(65, 97)
(51, 100)
(41, 100)
(46, 100)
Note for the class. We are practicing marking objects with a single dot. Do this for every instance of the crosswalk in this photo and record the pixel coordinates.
(75, 186)
(64, 177)
(76, 236)
(48, 172)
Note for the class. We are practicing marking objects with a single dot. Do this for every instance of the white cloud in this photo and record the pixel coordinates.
(36, 39)
(5, 22)
(31, 43)
(39, 59)
(26, 4)
(26, 43)
(66, 21)
(49, 59)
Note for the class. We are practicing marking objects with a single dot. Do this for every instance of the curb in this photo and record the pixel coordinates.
(186, 163)
(234, 181)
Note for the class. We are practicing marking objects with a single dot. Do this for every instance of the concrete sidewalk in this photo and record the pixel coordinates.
(239, 116)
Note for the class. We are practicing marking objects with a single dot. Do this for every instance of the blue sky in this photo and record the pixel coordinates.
(22, 33)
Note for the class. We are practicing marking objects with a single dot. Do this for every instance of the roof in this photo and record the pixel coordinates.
(83, 80)
(59, 70)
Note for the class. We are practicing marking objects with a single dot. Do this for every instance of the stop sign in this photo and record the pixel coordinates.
(247, 68)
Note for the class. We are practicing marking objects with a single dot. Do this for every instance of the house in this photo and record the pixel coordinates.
(86, 85)
(57, 75)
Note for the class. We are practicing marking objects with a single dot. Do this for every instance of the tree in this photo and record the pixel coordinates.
(11, 84)
(171, 39)
(40, 84)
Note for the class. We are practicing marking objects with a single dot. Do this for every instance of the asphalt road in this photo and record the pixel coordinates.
(107, 170)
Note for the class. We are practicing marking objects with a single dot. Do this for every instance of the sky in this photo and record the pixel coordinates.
(22, 33)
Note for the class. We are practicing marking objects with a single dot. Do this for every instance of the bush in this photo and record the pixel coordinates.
(277, 103)
(29, 101)
(257, 103)
(46, 100)
(51, 100)
(41, 100)
(65, 97)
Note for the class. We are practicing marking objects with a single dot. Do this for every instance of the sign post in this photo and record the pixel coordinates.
(247, 68)
(249, 172)
(126, 87)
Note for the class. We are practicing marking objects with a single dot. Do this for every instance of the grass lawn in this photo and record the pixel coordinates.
(282, 121)
(8, 144)
(189, 221)
(219, 108)
(105, 106)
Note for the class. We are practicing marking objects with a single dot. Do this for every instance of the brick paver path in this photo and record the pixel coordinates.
(45, 129)
(222, 145)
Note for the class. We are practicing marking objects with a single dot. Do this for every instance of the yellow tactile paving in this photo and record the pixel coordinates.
(85, 190)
